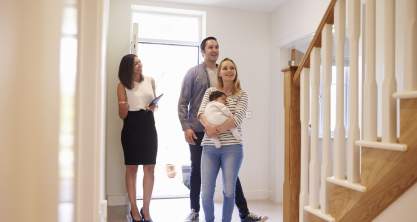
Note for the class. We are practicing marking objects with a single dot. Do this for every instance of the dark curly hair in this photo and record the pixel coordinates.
(126, 70)
(215, 95)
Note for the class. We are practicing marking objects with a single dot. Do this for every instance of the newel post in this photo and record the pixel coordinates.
(292, 145)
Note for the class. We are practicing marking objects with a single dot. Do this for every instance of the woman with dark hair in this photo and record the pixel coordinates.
(139, 138)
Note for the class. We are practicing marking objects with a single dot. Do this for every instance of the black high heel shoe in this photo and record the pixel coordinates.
(133, 219)
(143, 216)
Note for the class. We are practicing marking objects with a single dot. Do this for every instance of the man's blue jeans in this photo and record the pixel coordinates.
(195, 175)
(228, 158)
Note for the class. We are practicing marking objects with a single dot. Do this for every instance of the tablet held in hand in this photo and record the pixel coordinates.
(156, 100)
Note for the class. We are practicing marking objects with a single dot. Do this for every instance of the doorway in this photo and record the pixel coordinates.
(167, 42)
(167, 64)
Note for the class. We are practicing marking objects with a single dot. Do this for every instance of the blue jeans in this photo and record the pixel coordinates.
(228, 158)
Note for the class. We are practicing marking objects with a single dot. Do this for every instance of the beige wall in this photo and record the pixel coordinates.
(8, 155)
(245, 37)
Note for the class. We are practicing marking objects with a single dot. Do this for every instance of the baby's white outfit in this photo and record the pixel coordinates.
(217, 113)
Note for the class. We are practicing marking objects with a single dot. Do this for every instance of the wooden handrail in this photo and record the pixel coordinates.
(328, 18)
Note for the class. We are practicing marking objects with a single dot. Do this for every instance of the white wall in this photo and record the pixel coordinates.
(30, 110)
(243, 36)
(403, 209)
(117, 45)
(293, 20)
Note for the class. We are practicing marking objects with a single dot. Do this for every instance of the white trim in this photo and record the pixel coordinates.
(90, 114)
(165, 10)
(347, 184)
(135, 38)
(405, 95)
(318, 213)
(103, 211)
(201, 15)
(166, 41)
(381, 145)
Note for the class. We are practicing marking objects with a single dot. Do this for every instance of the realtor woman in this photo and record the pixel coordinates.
(139, 138)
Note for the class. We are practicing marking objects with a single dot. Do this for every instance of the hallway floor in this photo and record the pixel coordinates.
(175, 210)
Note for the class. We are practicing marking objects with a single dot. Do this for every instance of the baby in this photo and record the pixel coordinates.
(217, 113)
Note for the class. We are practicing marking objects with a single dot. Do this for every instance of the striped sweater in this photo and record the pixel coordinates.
(238, 105)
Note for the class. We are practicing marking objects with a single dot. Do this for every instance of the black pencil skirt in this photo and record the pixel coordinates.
(139, 138)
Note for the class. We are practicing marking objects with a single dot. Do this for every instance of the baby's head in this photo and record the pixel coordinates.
(218, 96)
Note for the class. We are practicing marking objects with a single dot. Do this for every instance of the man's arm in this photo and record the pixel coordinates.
(183, 104)
(184, 100)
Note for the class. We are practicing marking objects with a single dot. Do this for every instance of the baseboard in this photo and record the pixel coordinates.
(121, 199)
(103, 211)
(117, 199)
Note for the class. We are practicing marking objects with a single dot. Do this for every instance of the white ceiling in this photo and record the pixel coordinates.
(250, 5)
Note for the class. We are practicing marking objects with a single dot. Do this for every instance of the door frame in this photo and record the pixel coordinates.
(90, 201)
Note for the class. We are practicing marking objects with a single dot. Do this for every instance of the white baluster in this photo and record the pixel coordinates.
(370, 89)
(389, 108)
(410, 66)
(314, 116)
(327, 49)
(353, 153)
(305, 146)
(339, 154)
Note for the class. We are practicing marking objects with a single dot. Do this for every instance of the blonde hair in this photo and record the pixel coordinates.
(236, 86)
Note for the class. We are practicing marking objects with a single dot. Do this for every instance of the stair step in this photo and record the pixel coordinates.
(347, 184)
(318, 213)
(382, 145)
(405, 95)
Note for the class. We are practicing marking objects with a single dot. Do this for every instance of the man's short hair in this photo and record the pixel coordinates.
(204, 42)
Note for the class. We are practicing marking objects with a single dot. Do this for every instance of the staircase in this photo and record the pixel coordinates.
(386, 174)
(353, 179)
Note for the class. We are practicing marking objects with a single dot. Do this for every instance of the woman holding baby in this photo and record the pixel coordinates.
(228, 156)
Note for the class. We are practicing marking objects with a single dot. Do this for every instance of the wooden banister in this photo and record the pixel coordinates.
(328, 18)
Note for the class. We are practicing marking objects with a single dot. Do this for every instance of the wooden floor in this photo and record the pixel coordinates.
(175, 210)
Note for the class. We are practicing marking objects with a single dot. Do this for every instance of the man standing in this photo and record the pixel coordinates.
(197, 80)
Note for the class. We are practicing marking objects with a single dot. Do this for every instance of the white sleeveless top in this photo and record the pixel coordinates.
(140, 95)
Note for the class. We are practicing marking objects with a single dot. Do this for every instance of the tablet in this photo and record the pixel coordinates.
(156, 100)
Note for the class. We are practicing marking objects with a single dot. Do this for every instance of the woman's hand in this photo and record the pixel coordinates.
(227, 125)
(211, 130)
(151, 107)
